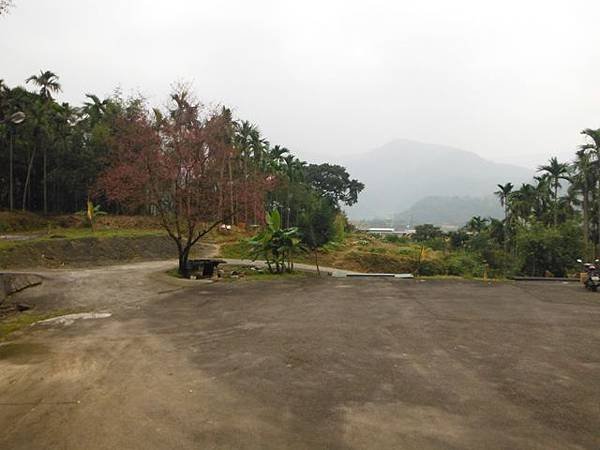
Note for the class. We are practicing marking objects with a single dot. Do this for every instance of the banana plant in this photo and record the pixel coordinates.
(91, 212)
(276, 245)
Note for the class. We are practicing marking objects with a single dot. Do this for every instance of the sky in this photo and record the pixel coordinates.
(514, 81)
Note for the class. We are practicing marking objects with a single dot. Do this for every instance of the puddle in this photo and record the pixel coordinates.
(69, 319)
(24, 353)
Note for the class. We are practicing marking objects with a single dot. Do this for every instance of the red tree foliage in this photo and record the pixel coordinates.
(182, 167)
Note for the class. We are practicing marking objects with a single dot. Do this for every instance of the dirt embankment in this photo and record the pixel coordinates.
(15, 282)
(21, 221)
(84, 252)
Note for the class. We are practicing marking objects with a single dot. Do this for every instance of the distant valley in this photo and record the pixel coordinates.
(415, 182)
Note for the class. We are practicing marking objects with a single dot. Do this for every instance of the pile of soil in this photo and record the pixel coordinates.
(85, 252)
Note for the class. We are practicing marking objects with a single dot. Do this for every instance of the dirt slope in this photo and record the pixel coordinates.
(85, 252)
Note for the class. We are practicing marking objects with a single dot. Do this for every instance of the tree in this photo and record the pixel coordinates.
(334, 183)
(317, 226)
(582, 180)
(173, 168)
(11, 117)
(544, 249)
(427, 232)
(48, 83)
(593, 146)
(503, 193)
(477, 224)
(557, 171)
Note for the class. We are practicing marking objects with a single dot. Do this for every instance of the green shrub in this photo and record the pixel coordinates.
(543, 249)
(339, 228)
(431, 267)
(394, 239)
(379, 262)
(438, 243)
(465, 265)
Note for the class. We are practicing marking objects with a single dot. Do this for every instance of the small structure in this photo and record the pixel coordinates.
(202, 268)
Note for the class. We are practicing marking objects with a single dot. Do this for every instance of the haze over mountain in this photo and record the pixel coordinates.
(400, 173)
(451, 211)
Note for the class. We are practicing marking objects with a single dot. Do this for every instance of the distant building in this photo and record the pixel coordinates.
(390, 231)
(380, 230)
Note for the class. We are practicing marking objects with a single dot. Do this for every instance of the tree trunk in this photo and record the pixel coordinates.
(317, 262)
(586, 225)
(10, 170)
(231, 199)
(598, 222)
(556, 204)
(28, 178)
(184, 255)
(44, 181)
(505, 229)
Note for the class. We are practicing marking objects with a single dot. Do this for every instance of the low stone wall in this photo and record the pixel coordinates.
(15, 282)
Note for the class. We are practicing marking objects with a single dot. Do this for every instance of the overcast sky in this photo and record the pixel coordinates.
(510, 80)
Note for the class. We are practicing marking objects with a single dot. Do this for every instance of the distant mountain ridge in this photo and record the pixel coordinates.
(400, 173)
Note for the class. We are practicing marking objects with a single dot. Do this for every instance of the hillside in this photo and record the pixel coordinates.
(455, 211)
(402, 172)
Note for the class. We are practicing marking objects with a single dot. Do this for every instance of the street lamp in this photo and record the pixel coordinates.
(13, 119)
(17, 118)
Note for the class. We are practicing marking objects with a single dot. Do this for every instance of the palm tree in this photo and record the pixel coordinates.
(95, 108)
(582, 180)
(48, 83)
(276, 154)
(294, 172)
(524, 201)
(593, 146)
(38, 118)
(503, 193)
(557, 171)
(12, 117)
(477, 224)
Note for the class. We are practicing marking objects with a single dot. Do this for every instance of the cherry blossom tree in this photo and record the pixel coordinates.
(177, 164)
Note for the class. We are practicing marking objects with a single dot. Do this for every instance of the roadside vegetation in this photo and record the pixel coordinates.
(187, 169)
(188, 166)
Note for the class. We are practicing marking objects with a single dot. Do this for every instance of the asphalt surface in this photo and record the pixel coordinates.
(303, 364)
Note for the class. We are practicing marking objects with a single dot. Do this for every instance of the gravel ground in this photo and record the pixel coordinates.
(305, 363)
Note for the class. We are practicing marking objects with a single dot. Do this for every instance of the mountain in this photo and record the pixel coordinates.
(452, 211)
(402, 172)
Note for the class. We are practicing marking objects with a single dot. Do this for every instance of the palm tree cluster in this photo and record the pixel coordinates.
(54, 152)
(561, 193)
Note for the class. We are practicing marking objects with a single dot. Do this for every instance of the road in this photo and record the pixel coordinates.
(305, 363)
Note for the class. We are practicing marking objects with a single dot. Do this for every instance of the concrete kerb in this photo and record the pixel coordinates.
(330, 271)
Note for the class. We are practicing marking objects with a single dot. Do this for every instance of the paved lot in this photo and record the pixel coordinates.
(304, 364)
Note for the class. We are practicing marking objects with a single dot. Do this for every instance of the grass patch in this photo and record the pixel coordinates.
(78, 233)
(22, 320)
(366, 253)
(235, 250)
